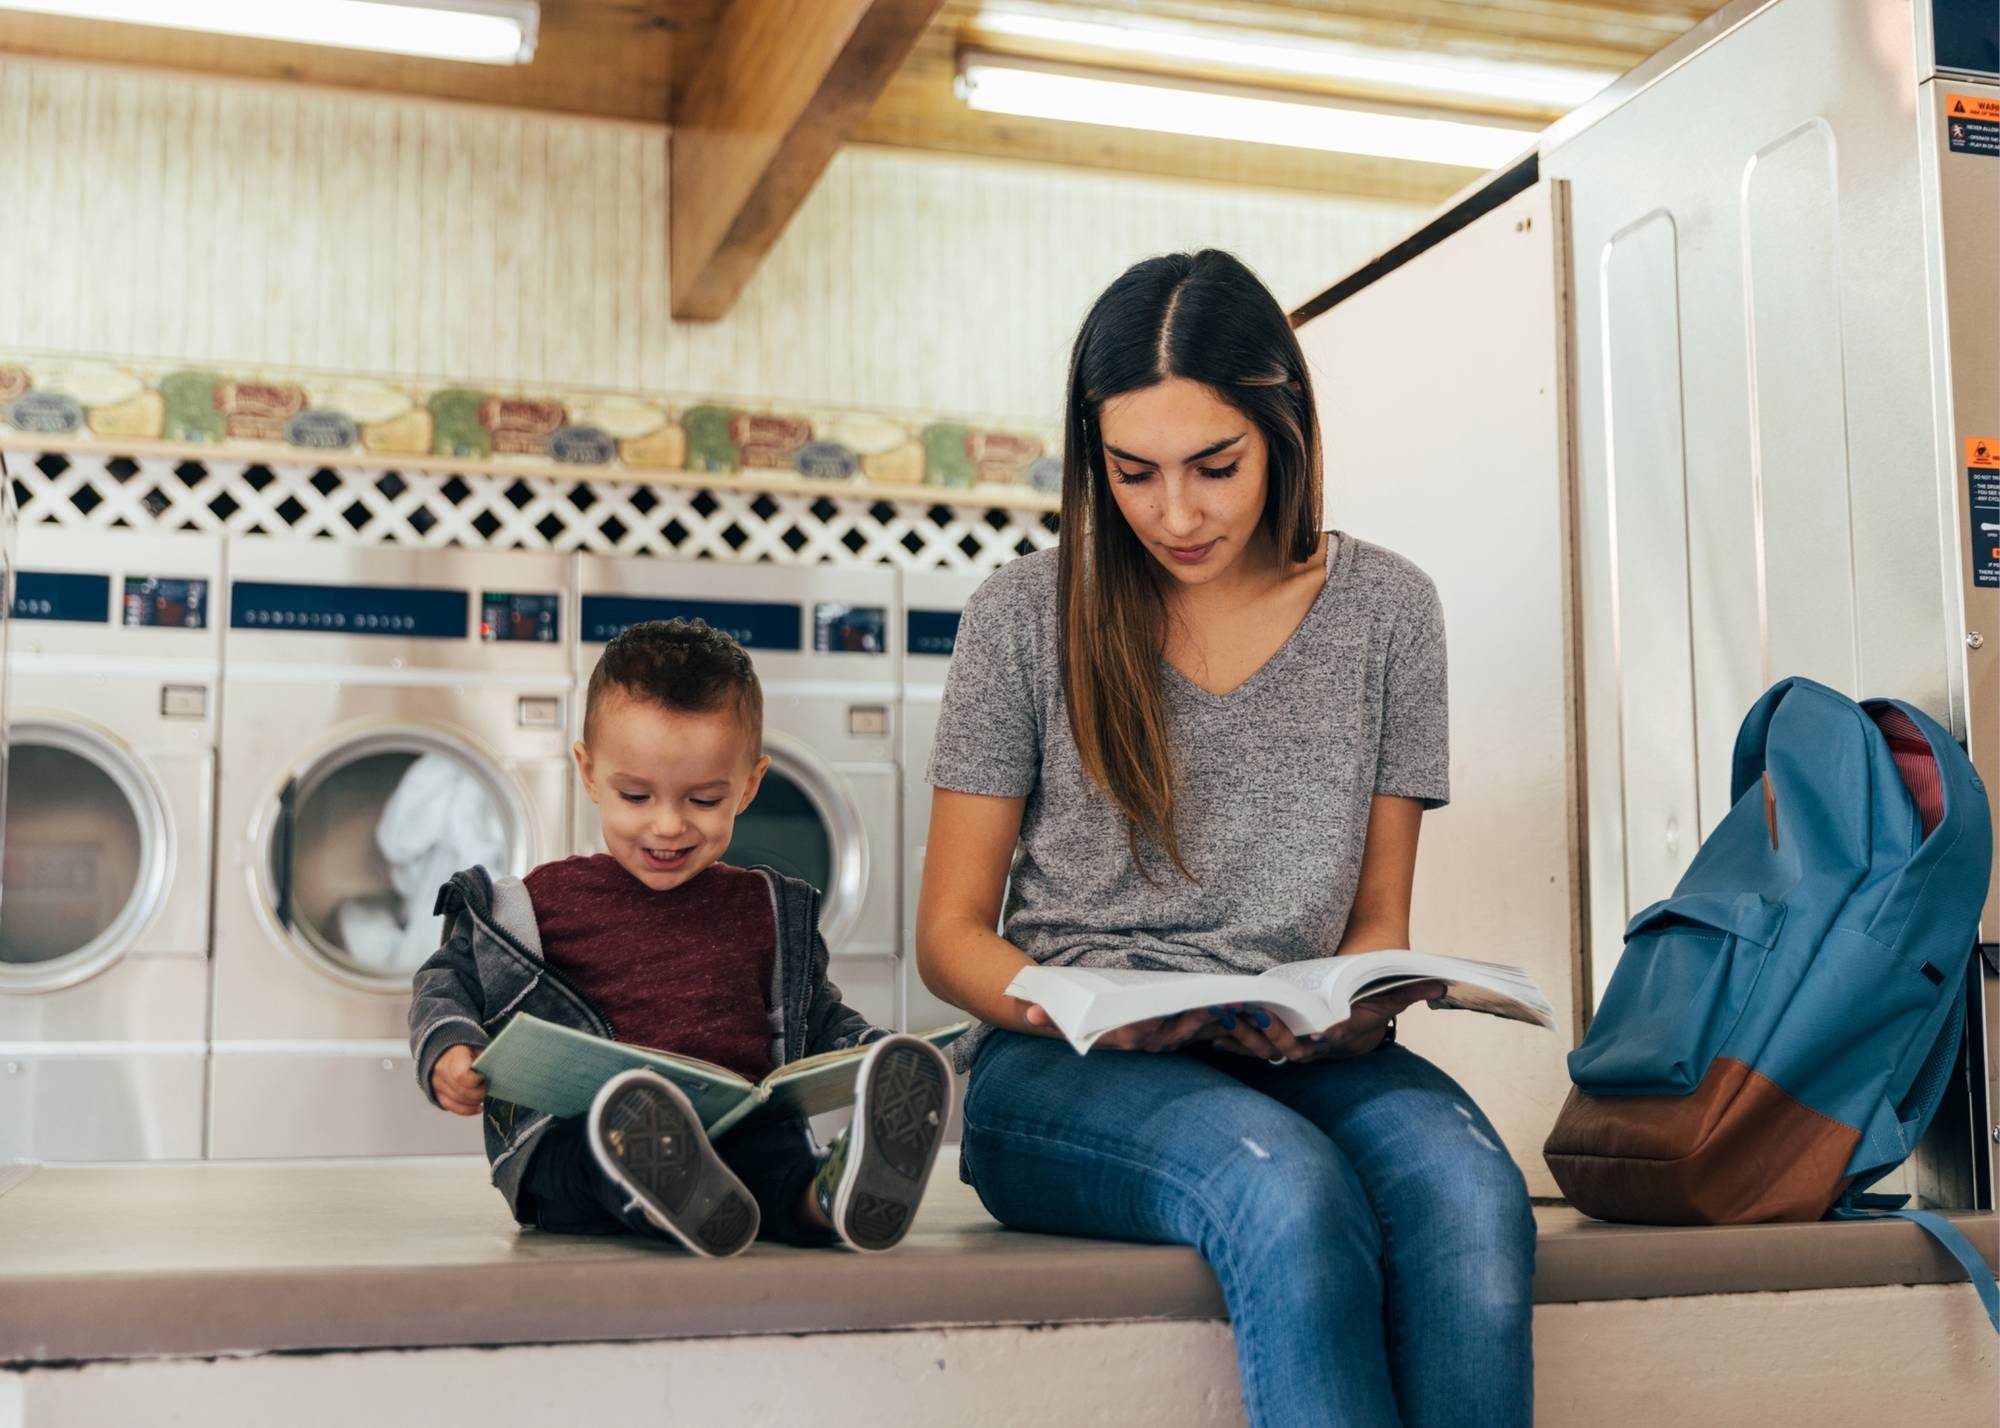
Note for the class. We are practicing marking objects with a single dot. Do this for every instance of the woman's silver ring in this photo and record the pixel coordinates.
(1277, 1060)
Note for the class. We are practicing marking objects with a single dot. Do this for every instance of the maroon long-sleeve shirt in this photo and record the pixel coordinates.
(687, 970)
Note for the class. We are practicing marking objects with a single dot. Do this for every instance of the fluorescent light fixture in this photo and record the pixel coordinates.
(1033, 90)
(483, 31)
(1133, 37)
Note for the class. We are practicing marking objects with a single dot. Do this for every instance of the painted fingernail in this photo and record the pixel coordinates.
(1215, 1011)
(1229, 1023)
(1263, 1019)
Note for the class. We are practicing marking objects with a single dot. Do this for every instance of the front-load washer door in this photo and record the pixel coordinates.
(804, 823)
(89, 855)
(362, 837)
(101, 1052)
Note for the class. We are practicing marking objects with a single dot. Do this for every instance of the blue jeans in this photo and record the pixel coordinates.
(1373, 1238)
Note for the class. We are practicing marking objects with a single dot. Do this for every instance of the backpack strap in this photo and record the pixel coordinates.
(1747, 767)
(1949, 1237)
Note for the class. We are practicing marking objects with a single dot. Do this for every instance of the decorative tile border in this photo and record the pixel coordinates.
(86, 403)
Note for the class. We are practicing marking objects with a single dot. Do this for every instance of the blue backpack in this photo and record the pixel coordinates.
(1781, 1030)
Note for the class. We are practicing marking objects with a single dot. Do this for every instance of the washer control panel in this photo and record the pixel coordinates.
(850, 629)
(62, 595)
(154, 603)
(754, 624)
(531, 619)
(409, 612)
(932, 632)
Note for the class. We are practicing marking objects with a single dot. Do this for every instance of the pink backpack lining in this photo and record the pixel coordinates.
(1914, 761)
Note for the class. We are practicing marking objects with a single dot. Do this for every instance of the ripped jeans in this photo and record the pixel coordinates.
(1373, 1239)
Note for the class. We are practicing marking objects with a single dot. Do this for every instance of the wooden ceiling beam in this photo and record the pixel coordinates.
(781, 89)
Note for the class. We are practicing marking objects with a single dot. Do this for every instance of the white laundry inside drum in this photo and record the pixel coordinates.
(371, 843)
(74, 854)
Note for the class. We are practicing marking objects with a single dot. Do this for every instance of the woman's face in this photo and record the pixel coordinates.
(1188, 473)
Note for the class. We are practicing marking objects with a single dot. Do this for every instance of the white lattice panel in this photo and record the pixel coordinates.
(373, 506)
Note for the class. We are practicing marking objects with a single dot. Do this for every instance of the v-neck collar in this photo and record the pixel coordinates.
(1337, 545)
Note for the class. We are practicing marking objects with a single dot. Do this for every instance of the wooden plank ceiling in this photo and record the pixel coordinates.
(628, 59)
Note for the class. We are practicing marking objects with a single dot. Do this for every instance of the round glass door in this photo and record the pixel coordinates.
(84, 847)
(365, 837)
(800, 825)
(782, 827)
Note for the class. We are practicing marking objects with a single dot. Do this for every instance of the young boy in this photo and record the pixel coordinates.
(659, 943)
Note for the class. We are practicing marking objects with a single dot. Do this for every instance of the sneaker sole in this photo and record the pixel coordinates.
(905, 1103)
(647, 1138)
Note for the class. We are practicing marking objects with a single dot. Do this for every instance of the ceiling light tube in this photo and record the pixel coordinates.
(1294, 57)
(1039, 91)
(481, 31)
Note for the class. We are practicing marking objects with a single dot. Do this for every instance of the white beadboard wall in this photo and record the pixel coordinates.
(167, 218)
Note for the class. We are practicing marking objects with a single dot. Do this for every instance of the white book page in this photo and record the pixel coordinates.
(1086, 1002)
(1490, 987)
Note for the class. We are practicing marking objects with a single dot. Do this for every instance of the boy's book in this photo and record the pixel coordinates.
(558, 1069)
(1310, 996)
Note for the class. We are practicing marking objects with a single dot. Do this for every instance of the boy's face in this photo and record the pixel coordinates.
(668, 785)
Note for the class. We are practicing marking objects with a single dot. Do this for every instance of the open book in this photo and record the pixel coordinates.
(1310, 996)
(558, 1069)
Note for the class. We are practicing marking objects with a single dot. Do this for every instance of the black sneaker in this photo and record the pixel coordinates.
(648, 1139)
(874, 1177)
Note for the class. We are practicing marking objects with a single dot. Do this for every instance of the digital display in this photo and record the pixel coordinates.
(932, 632)
(754, 624)
(57, 595)
(1967, 33)
(402, 612)
(168, 604)
(529, 619)
(850, 629)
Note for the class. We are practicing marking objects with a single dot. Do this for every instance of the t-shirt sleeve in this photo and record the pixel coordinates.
(989, 736)
(1415, 759)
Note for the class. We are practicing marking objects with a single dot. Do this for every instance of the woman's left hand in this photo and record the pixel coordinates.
(1261, 1034)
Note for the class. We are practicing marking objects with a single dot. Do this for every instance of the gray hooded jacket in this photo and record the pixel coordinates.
(490, 966)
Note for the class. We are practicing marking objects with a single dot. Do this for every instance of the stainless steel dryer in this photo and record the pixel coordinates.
(828, 646)
(389, 716)
(105, 932)
(933, 600)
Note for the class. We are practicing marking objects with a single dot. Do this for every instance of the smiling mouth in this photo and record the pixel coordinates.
(661, 858)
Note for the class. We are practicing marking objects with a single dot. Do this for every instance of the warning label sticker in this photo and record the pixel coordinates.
(1983, 452)
(1972, 124)
(1985, 526)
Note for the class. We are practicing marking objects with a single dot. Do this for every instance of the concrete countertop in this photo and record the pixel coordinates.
(217, 1258)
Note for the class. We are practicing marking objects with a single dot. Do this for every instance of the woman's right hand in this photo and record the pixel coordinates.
(1161, 1033)
(460, 1089)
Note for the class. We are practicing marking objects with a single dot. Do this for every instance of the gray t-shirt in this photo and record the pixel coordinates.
(1275, 776)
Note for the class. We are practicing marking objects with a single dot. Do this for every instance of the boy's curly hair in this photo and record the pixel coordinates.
(681, 665)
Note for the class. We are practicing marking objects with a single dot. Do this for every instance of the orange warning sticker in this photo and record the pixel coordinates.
(1971, 106)
(1982, 453)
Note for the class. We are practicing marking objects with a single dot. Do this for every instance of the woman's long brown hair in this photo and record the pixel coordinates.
(1205, 317)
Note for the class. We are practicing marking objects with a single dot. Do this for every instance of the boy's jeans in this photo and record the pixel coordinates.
(1373, 1239)
(775, 1160)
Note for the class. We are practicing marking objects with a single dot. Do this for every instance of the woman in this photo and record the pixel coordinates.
(1200, 735)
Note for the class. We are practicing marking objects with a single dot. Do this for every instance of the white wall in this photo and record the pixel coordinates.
(168, 217)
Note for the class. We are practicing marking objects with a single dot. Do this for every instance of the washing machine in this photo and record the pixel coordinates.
(389, 716)
(933, 600)
(104, 929)
(828, 648)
